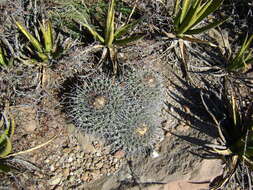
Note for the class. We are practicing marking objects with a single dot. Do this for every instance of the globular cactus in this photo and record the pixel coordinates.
(125, 112)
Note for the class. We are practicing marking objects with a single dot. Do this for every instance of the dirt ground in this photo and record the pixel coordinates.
(74, 160)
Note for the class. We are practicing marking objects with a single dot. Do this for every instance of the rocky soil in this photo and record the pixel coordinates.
(74, 160)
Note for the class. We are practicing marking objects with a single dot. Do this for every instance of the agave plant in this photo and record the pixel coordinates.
(7, 128)
(43, 47)
(188, 15)
(235, 138)
(112, 36)
(243, 58)
(5, 61)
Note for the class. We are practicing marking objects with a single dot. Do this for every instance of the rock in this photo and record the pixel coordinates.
(58, 187)
(82, 154)
(186, 109)
(89, 148)
(57, 164)
(98, 153)
(55, 180)
(155, 154)
(119, 154)
(85, 177)
(66, 150)
(89, 163)
(95, 174)
(115, 160)
(106, 166)
(103, 170)
(99, 165)
(28, 118)
(71, 128)
(208, 169)
(76, 149)
(183, 128)
(176, 185)
(31, 126)
(168, 134)
(85, 143)
(62, 159)
(70, 159)
(66, 172)
(72, 179)
(52, 168)
(96, 160)
(79, 171)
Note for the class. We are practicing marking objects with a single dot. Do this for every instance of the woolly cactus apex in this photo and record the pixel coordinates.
(125, 112)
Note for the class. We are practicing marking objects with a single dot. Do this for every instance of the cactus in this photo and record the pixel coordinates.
(125, 112)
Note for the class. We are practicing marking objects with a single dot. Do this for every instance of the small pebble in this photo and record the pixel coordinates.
(55, 180)
(70, 159)
(99, 165)
(66, 172)
(155, 154)
(119, 154)
(85, 176)
(52, 168)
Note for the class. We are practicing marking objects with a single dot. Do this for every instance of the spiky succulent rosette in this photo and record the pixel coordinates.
(125, 112)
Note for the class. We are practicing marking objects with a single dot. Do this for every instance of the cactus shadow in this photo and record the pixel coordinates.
(66, 88)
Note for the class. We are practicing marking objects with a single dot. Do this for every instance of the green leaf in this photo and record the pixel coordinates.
(196, 3)
(177, 21)
(189, 19)
(5, 145)
(246, 44)
(249, 56)
(234, 111)
(185, 8)
(8, 131)
(93, 32)
(243, 48)
(109, 31)
(4, 168)
(208, 8)
(239, 62)
(47, 31)
(205, 28)
(2, 138)
(176, 7)
(3, 61)
(1, 123)
(11, 127)
(36, 44)
(30, 37)
(192, 13)
(250, 61)
(43, 56)
(125, 28)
